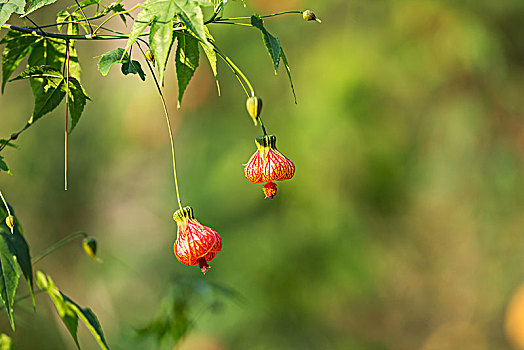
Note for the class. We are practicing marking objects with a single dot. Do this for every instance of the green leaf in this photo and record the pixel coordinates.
(66, 313)
(115, 56)
(9, 275)
(211, 57)
(61, 17)
(70, 311)
(141, 22)
(159, 14)
(19, 247)
(52, 52)
(51, 78)
(272, 43)
(72, 28)
(18, 46)
(39, 72)
(111, 58)
(186, 62)
(85, 3)
(162, 14)
(7, 7)
(191, 15)
(6, 343)
(133, 67)
(3, 166)
(36, 4)
(48, 85)
(288, 71)
(77, 100)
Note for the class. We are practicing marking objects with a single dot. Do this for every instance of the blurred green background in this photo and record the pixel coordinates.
(402, 228)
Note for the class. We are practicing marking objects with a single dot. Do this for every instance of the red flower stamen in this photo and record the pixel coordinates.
(270, 190)
(196, 244)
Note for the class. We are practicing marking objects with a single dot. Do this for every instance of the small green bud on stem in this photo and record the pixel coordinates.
(150, 57)
(10, 222)
(89, 245)
(254, 107)
(308, 15)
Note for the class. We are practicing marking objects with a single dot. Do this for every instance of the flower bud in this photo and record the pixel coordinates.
(10, 222)
(308, 15)
(89, 245)
(150, 57)
(254, 107)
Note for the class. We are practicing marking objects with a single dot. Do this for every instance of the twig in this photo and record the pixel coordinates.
(85, 17)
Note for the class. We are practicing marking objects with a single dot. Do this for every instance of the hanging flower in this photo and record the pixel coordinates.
(195, 244)
(268, 164)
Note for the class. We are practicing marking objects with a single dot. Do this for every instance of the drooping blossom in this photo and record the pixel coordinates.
(195, 244)
(268, 165)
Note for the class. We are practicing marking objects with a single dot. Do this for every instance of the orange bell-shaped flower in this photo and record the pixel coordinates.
(195, 244)
(268, 164)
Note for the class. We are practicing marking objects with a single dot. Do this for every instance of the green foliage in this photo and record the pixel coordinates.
(49, 88)
(186, 61)
(18, 247)
(36, 4)
(211, 57)
(48, 85)
(3, 166)
(6, 343)
(69, 311)
(18, 46)
(133, 67)
(115, 56)
(8, 7)
(9, 276)
(274, 49)
(174, 318)
(272, 43)
(54, 72)
(52, 52)
(66, 16)
(288, 71)
(77, 101)
(191, 15)
(160, 16)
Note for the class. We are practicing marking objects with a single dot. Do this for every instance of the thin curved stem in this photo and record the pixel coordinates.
(67, 36)
(263, 16)
(115, 14)
(233, 23)
(5, 204)
(57, 245)
(166, 114)
(66, 115)
(235, 70)
(85, 18)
